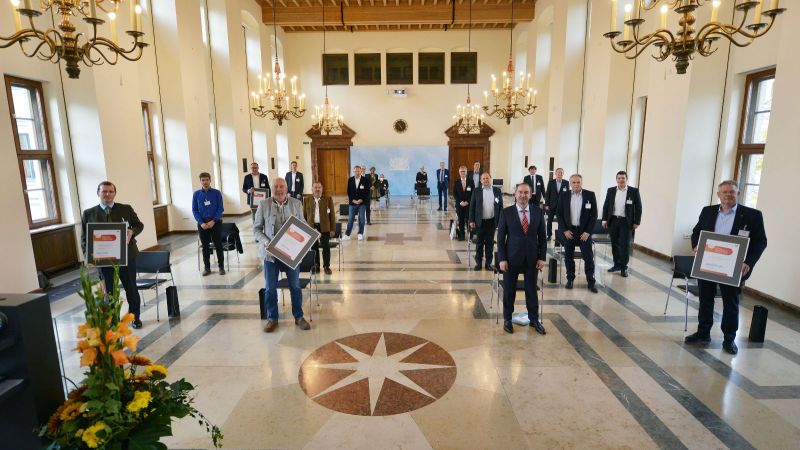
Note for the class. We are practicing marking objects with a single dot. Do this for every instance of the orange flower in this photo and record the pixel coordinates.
(93, 336)
(127, 318)
(82, 330)
(123, 330)
(130, 342)
(111, 336)
(139, 360)
(120, 357)
(88, 357)
(82, 345)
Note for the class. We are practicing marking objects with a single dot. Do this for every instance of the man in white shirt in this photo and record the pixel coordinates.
(484, 212)
(577, 213)
(622, 214)
(294, 180)
(462, 193)
(554, 189)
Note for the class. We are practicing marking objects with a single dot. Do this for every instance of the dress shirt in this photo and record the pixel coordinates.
(527, 213)
(464, 184)
(476, 179)
(107, 208)
(533, 185)
(488, 203)
(212, 211)
(316, 210)
(558, 184)
(619, 202)
(575, 205)
(358, 183)
(441, 175)
(291, 182)
(724, 223)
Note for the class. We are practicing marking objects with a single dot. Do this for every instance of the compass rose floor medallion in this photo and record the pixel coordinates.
(377, 374)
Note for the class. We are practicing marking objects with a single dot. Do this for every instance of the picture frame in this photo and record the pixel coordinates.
(720, 258)
(259, 195)
(292, 241)
(106, 244)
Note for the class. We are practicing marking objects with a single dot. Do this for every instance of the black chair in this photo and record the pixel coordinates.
(498, 285)
(558, 252)
(155, 263)
(230, 233)
(681, 268)
(336, 242)
(307, 265)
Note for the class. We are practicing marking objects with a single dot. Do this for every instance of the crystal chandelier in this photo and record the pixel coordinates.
(283, 103)
(326, 117)
(67, 42)
(683, 42)
(468, 119)
(511, 100)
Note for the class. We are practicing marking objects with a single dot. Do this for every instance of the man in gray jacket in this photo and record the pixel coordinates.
(272, 213)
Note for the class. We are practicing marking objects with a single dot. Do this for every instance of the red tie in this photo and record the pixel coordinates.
(524, 222)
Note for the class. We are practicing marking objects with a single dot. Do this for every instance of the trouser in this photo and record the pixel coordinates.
(127, 276)
(212, 235)
(620, 233)
(324, 241)
(586, 252)
(730, 308)
(510, 278)
(443, 197)
(271, 271)
(484, 241)
(461, 212)
(368, 207)
(355, 209)
(551, 214)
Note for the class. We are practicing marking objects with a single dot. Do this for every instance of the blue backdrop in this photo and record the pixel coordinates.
(400, 164)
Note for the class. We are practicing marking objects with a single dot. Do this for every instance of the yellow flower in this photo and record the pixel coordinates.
(70, 411)
(82, 330)
(140, 400)
(90, 435)
(156, 371)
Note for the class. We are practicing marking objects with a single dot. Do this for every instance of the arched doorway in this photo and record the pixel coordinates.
(330, 159)
(465, 149)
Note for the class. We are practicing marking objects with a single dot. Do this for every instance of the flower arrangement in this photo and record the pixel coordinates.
(124, 402)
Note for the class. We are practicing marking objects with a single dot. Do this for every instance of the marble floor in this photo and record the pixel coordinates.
(404, 352)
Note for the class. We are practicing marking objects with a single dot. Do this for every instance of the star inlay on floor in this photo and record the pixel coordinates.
(377, 374)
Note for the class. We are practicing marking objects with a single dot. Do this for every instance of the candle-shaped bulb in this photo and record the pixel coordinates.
(627, 29)
(664, 10)
(613, 15)
(17, 17)
(138, 11)
(759, 7)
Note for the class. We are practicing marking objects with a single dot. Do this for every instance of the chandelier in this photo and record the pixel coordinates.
(67, 42)
(283, 103)
(511, 100)
(468, 119)
(326, 117)
(683, 42)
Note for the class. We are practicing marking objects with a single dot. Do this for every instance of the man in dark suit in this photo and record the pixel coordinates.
(727, 218)
(294, 180)
(577, 213)
(320, 214)
(442, 184)
(554, 189)
(358, 197)
(421, 180)
(475, 175)
(484, 212)
(622, 213)
(536, 183)
(109, 211)
(521, 248)
(369, 179)
(254, 180)
(462, 193)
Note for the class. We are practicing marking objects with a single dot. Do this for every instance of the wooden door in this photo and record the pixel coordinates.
(463, 156)
(334, 170)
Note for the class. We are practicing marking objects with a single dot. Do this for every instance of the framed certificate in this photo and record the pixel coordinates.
(106, 244)
(259, 194)
(720, 258)
(291, 243)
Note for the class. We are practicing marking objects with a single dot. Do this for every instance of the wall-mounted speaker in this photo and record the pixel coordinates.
(244, 165)
(272, 163)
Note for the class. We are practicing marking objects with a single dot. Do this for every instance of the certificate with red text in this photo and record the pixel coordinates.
(106, 244)
(720, 258)
(292, 241)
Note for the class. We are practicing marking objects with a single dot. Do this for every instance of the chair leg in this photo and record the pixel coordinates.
(158, 317)
(686, 309)
(669, 291)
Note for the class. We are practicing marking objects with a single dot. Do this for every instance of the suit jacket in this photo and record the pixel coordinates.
(633, 205)
(422, 179)
(516, 247)
(263, 183)
(298, 184)
(119, 213)
(471, 178)
(461, 194)
(327, 213)
(553, 193)
(476, 206)
(588, 215)
(384, 186)
(360, 192)
(747, 220)
(439, 185)
(265, 224)
(536, 198)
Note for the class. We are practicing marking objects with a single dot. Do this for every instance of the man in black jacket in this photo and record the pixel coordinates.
(521, 248)
(484, 213)
(536, 183)
(554, 188)
(577, 213)
(358, 197)
(727, 218)
(109, 211)
(462, 193)
(622, 213)
(254, 180)
(294, 180)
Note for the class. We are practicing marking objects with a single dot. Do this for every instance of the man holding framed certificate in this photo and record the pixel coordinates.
(103, 248)
(720, 263)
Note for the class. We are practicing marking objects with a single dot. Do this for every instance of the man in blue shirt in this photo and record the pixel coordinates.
(207, 210)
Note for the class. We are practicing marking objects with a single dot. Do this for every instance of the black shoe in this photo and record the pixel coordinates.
(615, 269)
(569, 284)
(697, 338)
(137, 324)
(508, 327)
(489, 268)
(538, 327)
(478, 267)
(730, 347)
(593, 288)
(439, 208)
(206, 272)
(624, 273)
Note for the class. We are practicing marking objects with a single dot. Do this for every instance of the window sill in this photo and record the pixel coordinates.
(52, 228)
(159, 205)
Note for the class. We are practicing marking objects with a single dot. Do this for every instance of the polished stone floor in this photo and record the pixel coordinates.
(404, 352)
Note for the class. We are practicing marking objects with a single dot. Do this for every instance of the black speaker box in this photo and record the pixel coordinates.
(758, 326)
(173, 306)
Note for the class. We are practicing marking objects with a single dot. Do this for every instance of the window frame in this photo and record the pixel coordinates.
(38, 154)
(339, 82)
(428, 80)
(465, 80)
(372, 81)
(742, 149)
(151, 169)
(399, 56)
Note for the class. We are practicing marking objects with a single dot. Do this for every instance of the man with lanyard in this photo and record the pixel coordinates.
(254, 180)
(207, 210)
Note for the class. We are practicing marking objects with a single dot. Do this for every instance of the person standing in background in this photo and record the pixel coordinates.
(554, 188)
(207, 209)
(294, 180)
(254, 180)
(442, 184)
